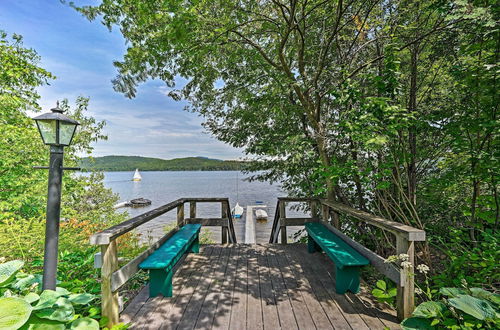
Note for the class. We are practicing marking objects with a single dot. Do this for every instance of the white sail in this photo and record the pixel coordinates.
(237, 211)
(137, 176)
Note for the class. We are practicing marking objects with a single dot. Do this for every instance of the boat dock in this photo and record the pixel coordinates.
(233, 285)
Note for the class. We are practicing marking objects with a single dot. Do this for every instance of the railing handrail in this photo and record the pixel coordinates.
(398, 229)
(111, 233)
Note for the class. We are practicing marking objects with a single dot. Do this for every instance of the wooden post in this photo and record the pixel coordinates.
(405, 299)
(314, 208)
(325, 212)
(282, 210)
(192, 209)
(180, 215)
(224, 229)
(335, 220)
(109, 304)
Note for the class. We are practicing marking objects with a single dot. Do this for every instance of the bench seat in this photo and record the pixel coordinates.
(162, 261)
(347, 260)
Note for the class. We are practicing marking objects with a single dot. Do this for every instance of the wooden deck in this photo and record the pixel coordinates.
(257, 287)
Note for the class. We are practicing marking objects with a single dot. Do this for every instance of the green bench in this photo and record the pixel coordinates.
(162, 261)
(347, 260)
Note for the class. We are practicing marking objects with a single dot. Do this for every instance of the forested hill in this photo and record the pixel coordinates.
(130, 163)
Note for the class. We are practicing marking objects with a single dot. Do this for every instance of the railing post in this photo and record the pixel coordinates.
(192, 209)
(282, 208)
(325, 212)
(405, 299)
(314, 208)
(224, 229)
(335, 220)
(110, 305)
(180, 215)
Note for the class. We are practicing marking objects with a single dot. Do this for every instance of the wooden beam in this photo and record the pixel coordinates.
(106, 236)
(110, 306)
(180, 215)
(192, 209)
(122, 275)
(296, 221)
(398, 229)
(282, 216)
(209, 221)
(405, 299)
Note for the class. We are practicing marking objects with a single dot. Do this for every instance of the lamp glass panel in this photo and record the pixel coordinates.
(47, 130)
(66, 131)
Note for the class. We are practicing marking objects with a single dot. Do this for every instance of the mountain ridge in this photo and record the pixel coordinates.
(129, 163)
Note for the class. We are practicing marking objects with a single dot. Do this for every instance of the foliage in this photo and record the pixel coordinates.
(460, 308)
(385, 291)
(478, 265)
(24, 306)
(387, 106)
(130, 163)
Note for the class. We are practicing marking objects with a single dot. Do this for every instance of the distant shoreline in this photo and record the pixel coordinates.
(130, 163)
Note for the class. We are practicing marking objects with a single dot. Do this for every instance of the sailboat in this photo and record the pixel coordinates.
(137, 176)
(237, 211)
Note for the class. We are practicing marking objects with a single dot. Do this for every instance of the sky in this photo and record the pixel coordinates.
(81, 54)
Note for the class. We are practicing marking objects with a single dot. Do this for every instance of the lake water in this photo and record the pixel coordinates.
(162, 187)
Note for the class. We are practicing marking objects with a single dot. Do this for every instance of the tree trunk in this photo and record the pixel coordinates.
(412, 134)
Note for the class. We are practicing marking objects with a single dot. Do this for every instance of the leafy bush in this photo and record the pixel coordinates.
(477, 264)
(459, 309)
(24, 306)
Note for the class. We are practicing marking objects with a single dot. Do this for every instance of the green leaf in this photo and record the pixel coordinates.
(81, 298)
(85, 323)
(483, 294)
(478, 308)
(381, 285)
(36, 323)
(429, 309)
(8, 270)
(47, 299)
(26, 282)
(62, 311)
(14, 312)
(452, 292)
(416, 323)
(31, 297)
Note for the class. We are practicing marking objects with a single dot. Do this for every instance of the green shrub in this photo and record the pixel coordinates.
(459, 308)
(23, 305)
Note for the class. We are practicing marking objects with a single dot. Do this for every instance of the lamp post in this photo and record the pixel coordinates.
(57, 131)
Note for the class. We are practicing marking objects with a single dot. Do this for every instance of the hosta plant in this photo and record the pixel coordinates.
(460, 308)
(24, 306)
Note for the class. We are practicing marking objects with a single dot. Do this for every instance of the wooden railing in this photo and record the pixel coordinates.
(113, 278)
(406, 236)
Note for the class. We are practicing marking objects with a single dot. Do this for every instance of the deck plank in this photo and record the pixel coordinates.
(348, 311)
(146, 318)
(268, 300)
(298, 285)
(239, 302)
(331, 309)
(222, 315)
(257, 287)
(193, 308)
(206, 315)
(285, 310)
(177, 311)
(254, 304)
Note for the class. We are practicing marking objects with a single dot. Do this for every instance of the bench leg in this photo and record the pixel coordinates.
(160, 282)
(312, 246)
(195, 246)
(347, 279)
